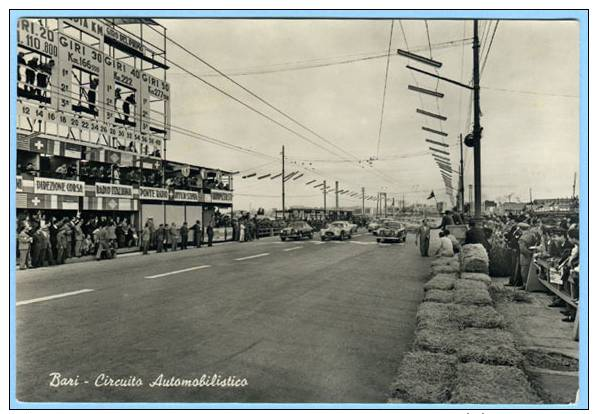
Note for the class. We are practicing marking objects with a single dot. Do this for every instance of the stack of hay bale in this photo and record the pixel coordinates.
(461, 352)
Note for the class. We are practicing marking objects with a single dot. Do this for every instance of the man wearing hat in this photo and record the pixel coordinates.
(78, 236)
(25, 247)
(528, 239)
(447, 220)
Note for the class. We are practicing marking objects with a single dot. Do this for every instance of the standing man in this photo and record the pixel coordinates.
(145, 237)
(210, 231)
(447, 220)
(102, 241)
(68, 233)
(197, 233)
(529, 238)
(24, 247)
(152, 229)
(79, 236)
(423, 235)
(61, 242)
(111, 236)
(167, 238)
(184, 236)
(160, 239)
(174, 236)
(476, 235)
(37, 259)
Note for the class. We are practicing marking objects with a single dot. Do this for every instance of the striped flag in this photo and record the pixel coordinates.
(47, 201)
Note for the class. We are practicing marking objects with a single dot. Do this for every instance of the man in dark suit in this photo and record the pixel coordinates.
(197, 233)
(447, 220)
(476, 235)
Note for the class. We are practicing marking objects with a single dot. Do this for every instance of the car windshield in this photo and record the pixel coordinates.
(394, 225)
(298, 225)
(337, 224)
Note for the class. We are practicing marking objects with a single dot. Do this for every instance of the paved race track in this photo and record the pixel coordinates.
(300, 321)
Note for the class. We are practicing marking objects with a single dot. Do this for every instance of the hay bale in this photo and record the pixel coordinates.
(472, 297)
(437, 295)
(424, 378)
(440, 282)
(469, 284)
(444, 341)
(434, 315)
(486, 384)
(481, 277)
(474, 250)
(453, 275)
(446, 268)
(487, 346)
(500, 293)
(474, 258)
(445, 261)
(475, 317)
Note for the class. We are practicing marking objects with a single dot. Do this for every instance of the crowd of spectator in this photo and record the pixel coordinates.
(514, 242)
(47, 242)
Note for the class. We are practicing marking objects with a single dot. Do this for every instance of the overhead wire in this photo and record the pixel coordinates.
(392, 25)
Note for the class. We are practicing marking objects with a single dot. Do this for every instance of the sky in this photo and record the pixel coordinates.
(529, 104)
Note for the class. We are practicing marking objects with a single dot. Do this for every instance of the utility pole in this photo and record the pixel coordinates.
(461, 180)
(477, 129)
(336, 194)
(574, 181)
(324, 199)
(363, 200)
(385, 205)
(470, 198)
(282, 179)
(530, 196)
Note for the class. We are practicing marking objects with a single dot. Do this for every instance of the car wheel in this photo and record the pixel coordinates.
(310, 236)
(283, 238)
(378, 240)
(342, 237)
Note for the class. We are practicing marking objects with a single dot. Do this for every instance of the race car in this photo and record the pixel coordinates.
(352, 226)
(378, 225)
(392, 232)
(336, 230)
(297, 230)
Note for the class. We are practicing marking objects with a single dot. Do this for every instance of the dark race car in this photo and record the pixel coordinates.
(392, 232)
(297, 230)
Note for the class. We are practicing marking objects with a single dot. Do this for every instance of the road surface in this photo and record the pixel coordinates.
(291, 321)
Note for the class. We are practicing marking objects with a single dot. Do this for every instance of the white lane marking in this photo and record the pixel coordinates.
(178, 271)
(318, 242)
(363, 243)
(61, 295)
(252, 257)
(293, 248)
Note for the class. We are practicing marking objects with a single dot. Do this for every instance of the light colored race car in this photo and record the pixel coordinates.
(352, 226)
(373, 225)
(340, 230)
(297, 230)
(392, 232)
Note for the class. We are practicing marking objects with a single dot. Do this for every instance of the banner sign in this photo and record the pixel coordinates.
(182, 195)
(114, 190)
(150, 193)
(222, 196)
(42, 185)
